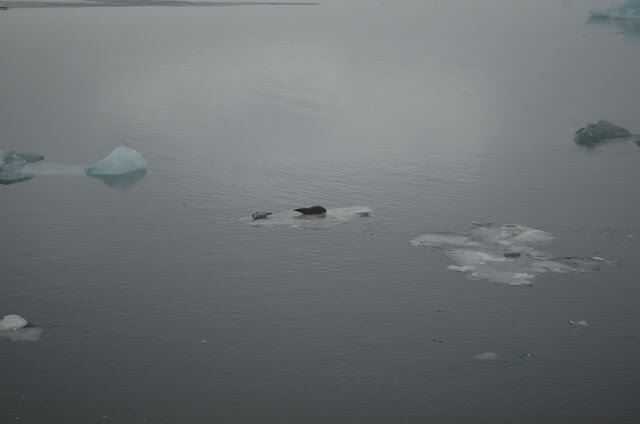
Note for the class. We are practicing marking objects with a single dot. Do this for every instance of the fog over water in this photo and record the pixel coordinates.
(156, 299)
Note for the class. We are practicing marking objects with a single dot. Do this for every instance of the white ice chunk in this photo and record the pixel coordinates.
(122, 160)
(480, 253)
(487, 356)
(15, 327)
(13, 322)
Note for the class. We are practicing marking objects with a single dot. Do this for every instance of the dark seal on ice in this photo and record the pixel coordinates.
(313, 210)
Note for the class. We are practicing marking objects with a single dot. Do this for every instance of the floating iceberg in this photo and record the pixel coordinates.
(121, 161)
(600, 132)
(506, 254)
(628, 10)
(295, 219)
(121, 168)
(15, 327)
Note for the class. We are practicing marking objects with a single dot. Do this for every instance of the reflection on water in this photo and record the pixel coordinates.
(122, 182)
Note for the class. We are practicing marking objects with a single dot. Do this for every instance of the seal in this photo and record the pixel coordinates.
(313, 210)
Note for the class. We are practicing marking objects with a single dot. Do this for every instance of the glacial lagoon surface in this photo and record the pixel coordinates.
(156, 299)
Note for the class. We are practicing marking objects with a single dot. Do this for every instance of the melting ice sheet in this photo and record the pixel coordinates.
(295, 219)
(121, 168)
(508, 254)
(628, 10)
(16, 328)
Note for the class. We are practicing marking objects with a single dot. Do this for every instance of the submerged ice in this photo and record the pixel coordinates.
(507, 254)
(295, 219)
(121, 168)
(627, 10)
(487, 356)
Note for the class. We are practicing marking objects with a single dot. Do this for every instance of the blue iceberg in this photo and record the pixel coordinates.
(121, 161)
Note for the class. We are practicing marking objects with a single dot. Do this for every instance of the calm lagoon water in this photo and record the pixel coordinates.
(160, 304)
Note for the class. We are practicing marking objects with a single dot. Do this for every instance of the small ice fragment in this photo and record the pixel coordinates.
(487, 356)
(260, 215)
(598, 258)
(599, 132)
(122, 160)
(528, 356)
(581, 323)
(13, 322)
(465, 268)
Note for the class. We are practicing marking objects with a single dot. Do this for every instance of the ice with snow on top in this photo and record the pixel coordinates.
(480, 253)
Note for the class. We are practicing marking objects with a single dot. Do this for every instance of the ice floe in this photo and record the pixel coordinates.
(507, 254)
(121, 168)
(17, 328)
(628, 10)
(295, 219)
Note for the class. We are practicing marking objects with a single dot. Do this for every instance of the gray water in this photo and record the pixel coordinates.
(162, 304)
